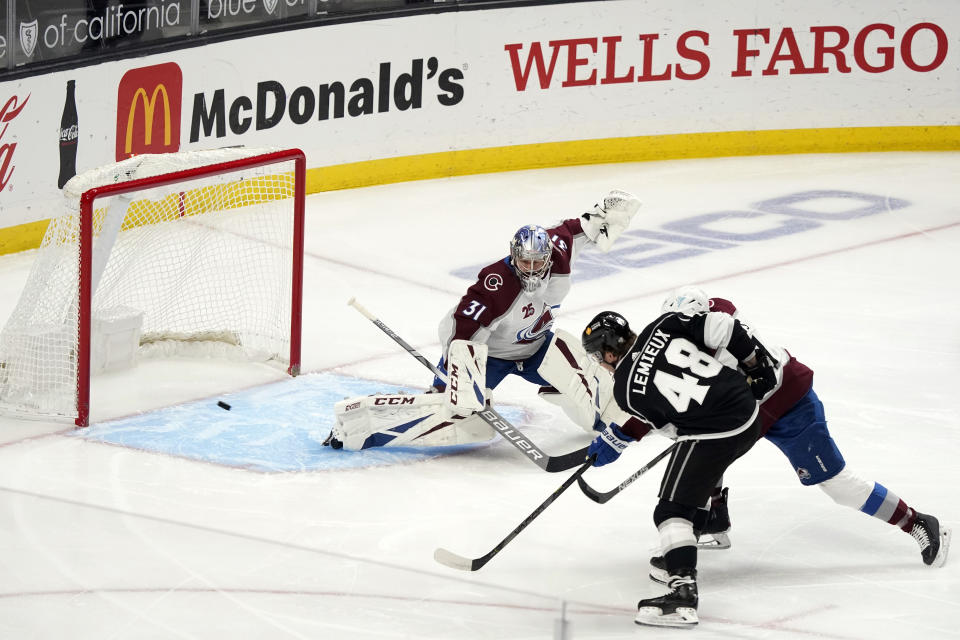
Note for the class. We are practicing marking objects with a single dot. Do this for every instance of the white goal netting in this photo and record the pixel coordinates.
(203, 261)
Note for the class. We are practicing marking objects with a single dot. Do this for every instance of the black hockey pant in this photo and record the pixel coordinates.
(695, 467)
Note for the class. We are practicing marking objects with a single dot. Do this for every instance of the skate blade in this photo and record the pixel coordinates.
(714, 541)
(682, 618)
(941, 559)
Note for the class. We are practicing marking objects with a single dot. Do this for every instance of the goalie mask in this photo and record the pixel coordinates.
(608, 331)
(531, 254)
(687, 300)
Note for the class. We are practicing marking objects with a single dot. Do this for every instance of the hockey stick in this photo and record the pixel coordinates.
(400, 341)
(456, 561)
(604, 496)
(489, 415)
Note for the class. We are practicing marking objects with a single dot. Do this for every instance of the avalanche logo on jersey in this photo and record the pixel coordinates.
(534, 332)
(493, 282)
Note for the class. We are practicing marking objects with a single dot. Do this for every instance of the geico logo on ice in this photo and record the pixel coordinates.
(337, 99)
(148, 110)
(699, 234)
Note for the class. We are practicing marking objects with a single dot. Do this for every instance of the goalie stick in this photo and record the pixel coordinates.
(604, 496)
(489, 415)
(456, 561)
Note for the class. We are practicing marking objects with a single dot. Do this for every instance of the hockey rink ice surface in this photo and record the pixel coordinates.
(172, 518)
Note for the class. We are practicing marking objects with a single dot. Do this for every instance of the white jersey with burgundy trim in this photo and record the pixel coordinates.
(794, 379)
(669, 377)
(496, 311)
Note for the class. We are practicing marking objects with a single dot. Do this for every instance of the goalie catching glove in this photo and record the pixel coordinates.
(609, 218)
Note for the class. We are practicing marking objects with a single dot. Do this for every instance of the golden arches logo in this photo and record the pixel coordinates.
(149, 91)
(149, 106)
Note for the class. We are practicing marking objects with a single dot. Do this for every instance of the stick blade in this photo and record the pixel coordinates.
(452, 560)
(593, 494)
(566, 461)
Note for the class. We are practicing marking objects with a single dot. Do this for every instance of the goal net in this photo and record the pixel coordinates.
(195, 252)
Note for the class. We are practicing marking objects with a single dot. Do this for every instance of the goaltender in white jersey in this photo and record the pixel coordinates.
(502, 326)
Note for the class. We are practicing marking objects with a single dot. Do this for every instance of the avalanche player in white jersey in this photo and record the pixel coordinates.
(513, 304)
(502, 326)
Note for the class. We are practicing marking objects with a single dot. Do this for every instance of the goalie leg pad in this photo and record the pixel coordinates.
(579, 385)
(466, 376)
(400, 420)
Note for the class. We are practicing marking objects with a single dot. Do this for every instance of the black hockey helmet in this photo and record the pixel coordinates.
(608, 331)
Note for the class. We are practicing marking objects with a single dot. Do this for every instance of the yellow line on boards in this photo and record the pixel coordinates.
(633, 149)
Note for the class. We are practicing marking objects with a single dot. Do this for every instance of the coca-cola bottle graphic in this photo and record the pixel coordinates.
(68, 136)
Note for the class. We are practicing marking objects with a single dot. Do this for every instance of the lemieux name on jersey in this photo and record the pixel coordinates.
(644, 360)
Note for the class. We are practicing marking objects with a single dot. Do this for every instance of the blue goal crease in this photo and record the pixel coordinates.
(275, 428)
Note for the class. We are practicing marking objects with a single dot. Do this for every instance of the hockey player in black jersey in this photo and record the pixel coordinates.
(667, 379)
(794, 420)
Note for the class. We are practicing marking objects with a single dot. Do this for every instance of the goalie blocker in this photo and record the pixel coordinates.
(578, 384)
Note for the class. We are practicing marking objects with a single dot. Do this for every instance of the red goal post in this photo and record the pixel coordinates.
(188, 256)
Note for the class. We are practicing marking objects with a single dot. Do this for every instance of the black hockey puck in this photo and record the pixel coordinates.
(223, 405)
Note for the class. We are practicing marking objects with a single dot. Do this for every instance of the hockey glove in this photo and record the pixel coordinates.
(608, 446)
(762, 377)
(610, 218)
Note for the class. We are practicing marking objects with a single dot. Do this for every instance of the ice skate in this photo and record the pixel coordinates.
(678, 608)
(933, 539)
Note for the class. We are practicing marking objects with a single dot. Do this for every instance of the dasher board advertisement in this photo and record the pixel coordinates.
(47, 30)
(495, 79)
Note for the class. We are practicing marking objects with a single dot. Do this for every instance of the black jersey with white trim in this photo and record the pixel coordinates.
(670, 377)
